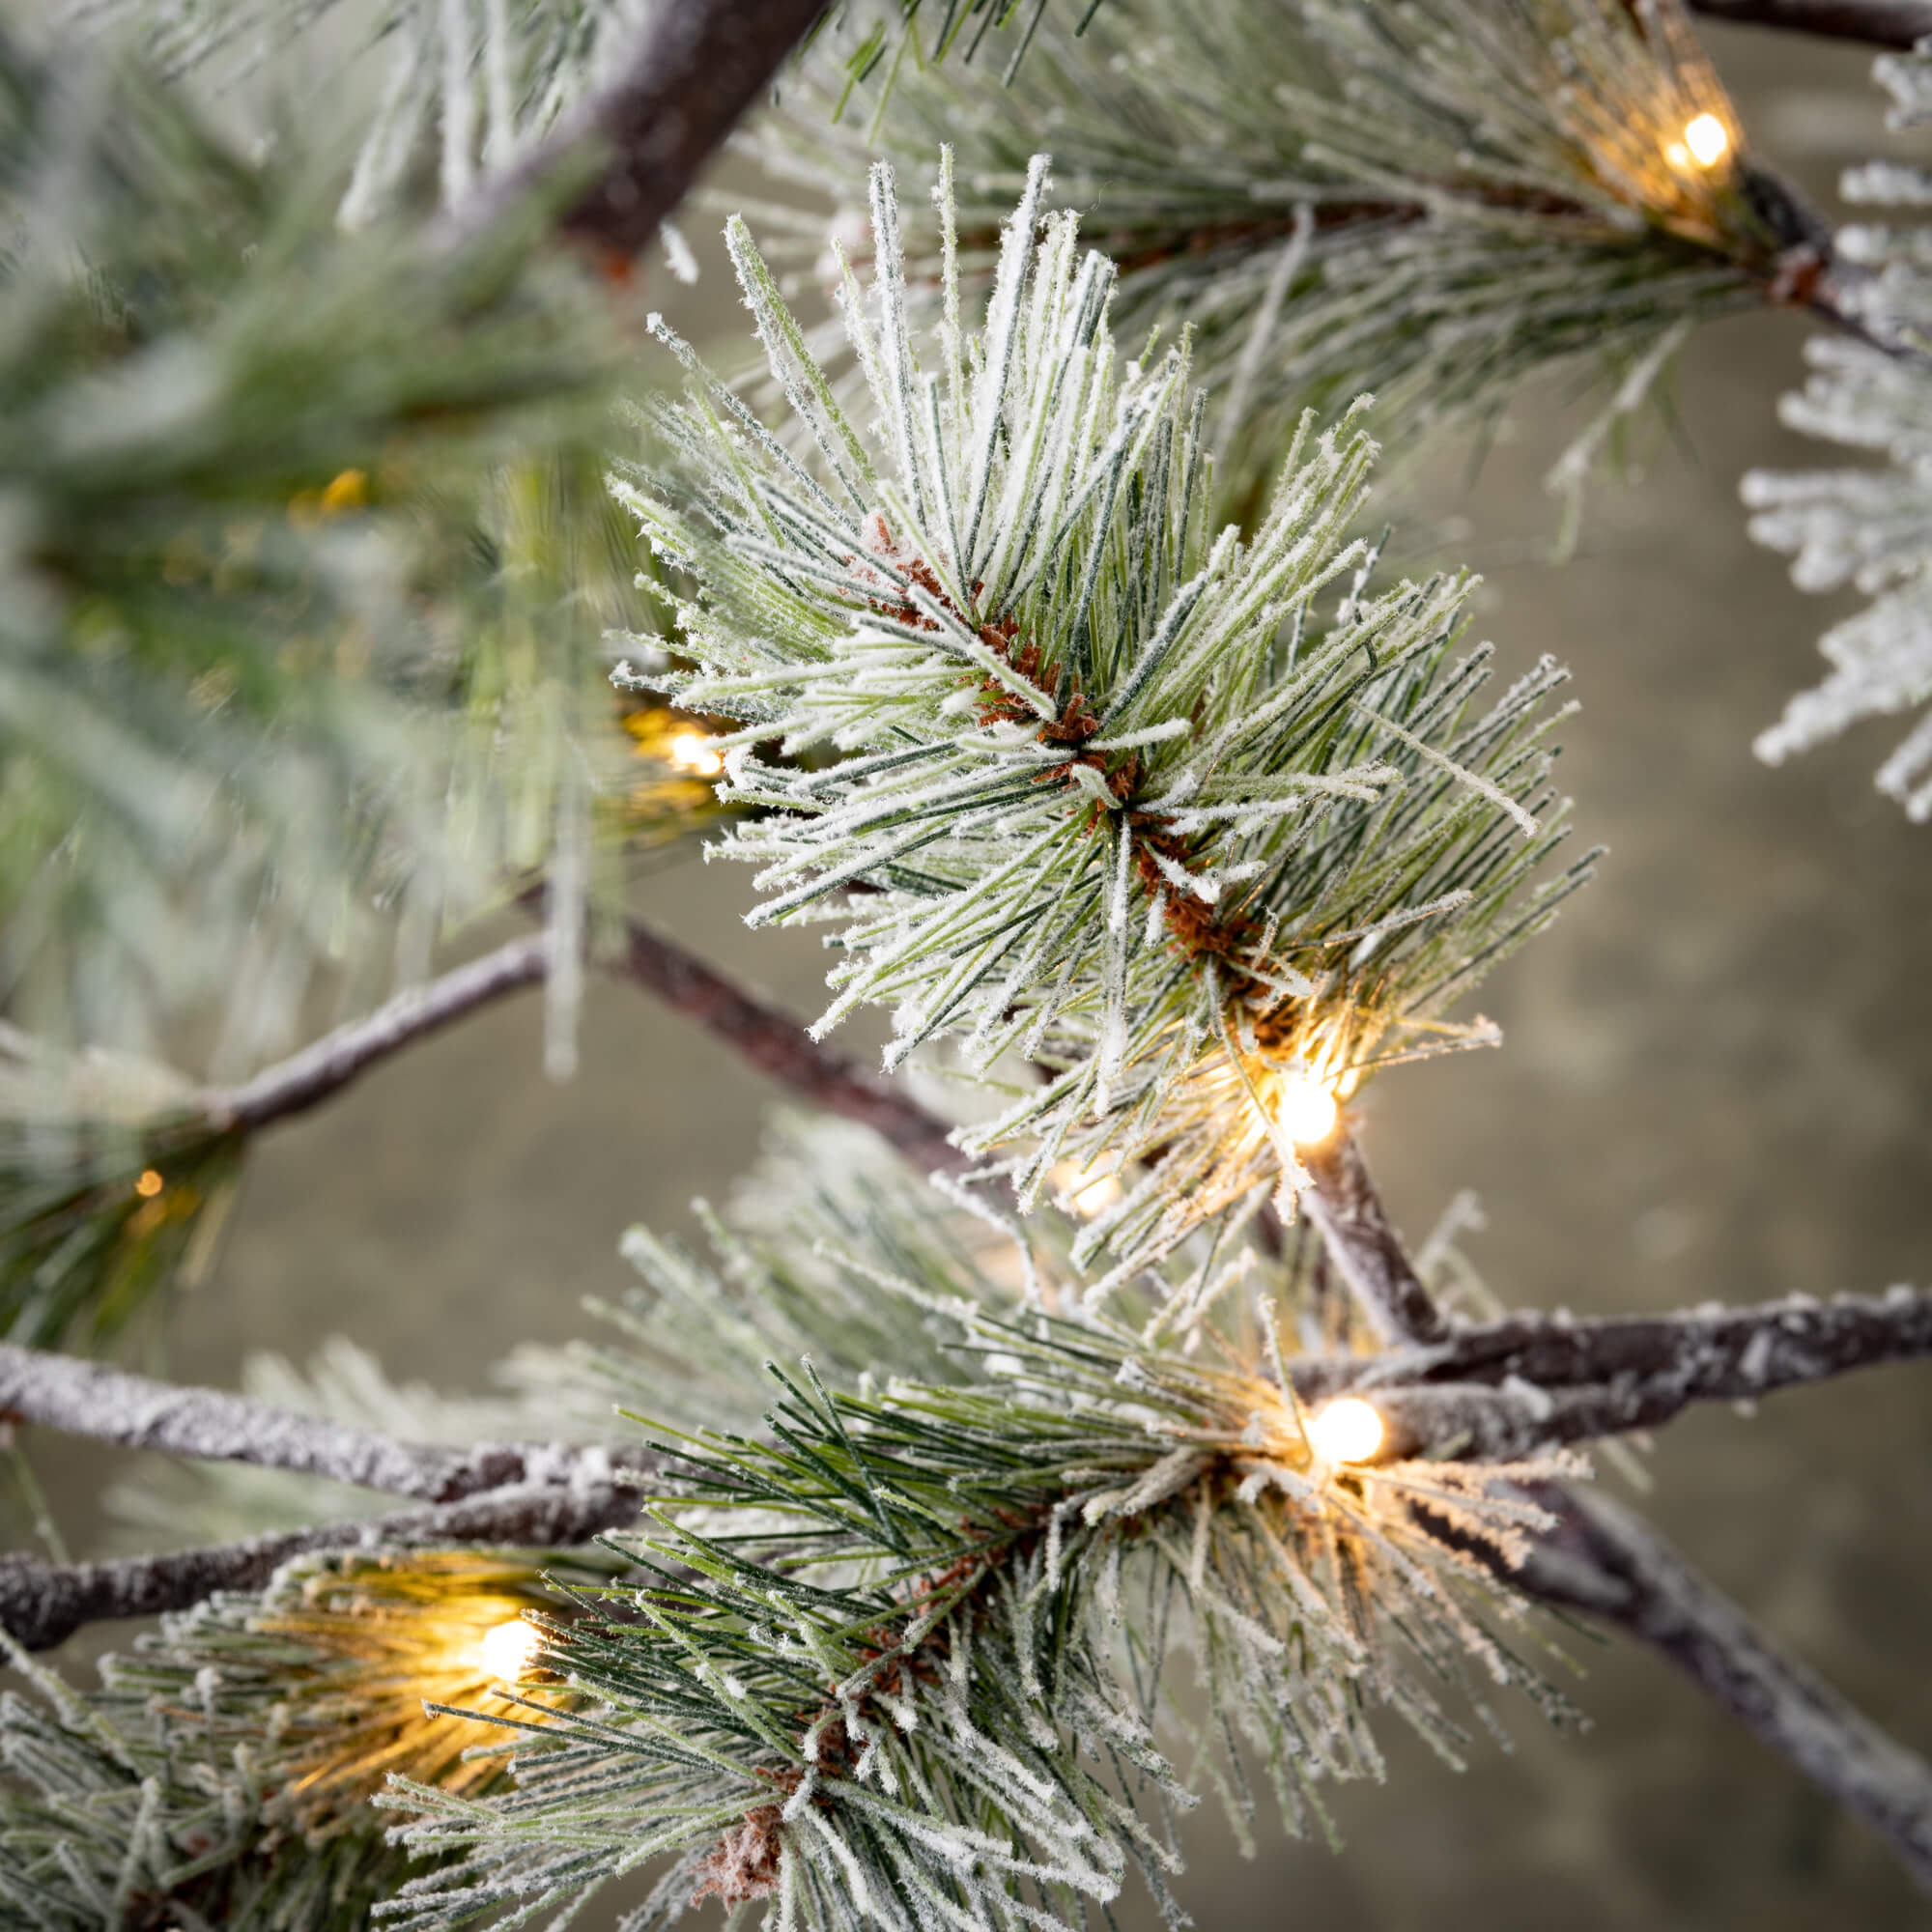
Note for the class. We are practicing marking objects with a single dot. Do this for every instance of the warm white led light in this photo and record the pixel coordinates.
(1707, 140)
(1347, 1430)
(508, 1650)
(690, 753)
(1305, 1108)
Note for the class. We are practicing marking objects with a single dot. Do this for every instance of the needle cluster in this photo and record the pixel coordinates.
(1432, 201)
(1864, 527)
(908, 1656)
(1081, 780)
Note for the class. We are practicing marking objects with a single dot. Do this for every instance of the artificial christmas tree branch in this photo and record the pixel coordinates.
(762, 1033)
(1559, 1381)
(321, 1071)
(44, 1603)
(1604, 1562)
(1876, 23)
(699, 66)
(1601, 1561)
(778, 1046)
(1500, 1392)
(1365, 1248)
(136, 1412)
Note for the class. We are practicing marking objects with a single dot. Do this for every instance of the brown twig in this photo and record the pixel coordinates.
(1605, 1563)
(628, 154)
(1876, 23)
(775, 1045)
(44, 1603)
(322, 1070)
(1365, 1249)
(760, 1032)
(1513, 1388)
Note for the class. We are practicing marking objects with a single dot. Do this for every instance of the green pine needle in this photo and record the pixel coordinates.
(1182, 819)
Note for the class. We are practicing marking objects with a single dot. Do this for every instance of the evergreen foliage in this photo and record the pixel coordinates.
(1866, 528)
(1060, 689)
(1430, 201)
(1129, 798)
(905, 1656)
(470, 86)
(246, 559)
(224, 1771)
(304, 571)
(111, 1186)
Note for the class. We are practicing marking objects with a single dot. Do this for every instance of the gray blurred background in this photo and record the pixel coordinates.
(1715, 1086)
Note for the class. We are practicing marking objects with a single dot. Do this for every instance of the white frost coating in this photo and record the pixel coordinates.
(1865, 529)
(1105, 791)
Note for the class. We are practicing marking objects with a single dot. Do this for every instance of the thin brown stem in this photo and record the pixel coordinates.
(626, 156)
(759, 1032)
(1605, 1563)
(1511, 1388)
(44, 1603)
(1600, 1562)
(1365, 1249)
(320, 1071)
(770, 1040)
(1874, 23)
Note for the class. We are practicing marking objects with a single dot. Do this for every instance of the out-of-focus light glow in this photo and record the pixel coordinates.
(690, 753)
(507, 1650)
(1707, 140)
(1090, 1191)
(1305, 1108)
(1347, 1430)
(150, 1183)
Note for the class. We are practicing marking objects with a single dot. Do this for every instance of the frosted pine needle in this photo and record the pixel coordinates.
(912, 1656)
(1080, 778)
(1864, 527)
(1434, 199)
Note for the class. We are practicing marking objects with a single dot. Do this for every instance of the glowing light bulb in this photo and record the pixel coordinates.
(507, 1651)
(150, 1183)
(1347, 1430)
(1090, 1191)
(1707, 140)
(1305, 1108)
(690, 752)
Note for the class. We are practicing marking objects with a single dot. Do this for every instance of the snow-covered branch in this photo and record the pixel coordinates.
(1505, 1390)
(1365, 1249)
(1602, 1561)
(136, 1412)
(324, 1069)
(762, 1033)
(44, 1603)
(779, 1047)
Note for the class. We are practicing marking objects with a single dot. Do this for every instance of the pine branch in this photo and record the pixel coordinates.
(1431, 202)
(134, 1413)
(1513, 1388)
(1605, 1563)
(778, 1046)
(1877, 23)
(44, 1603)
(1599, 1561)
(1365, 1248)
(699, 66)
(765, 1036)
(321, 1071)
